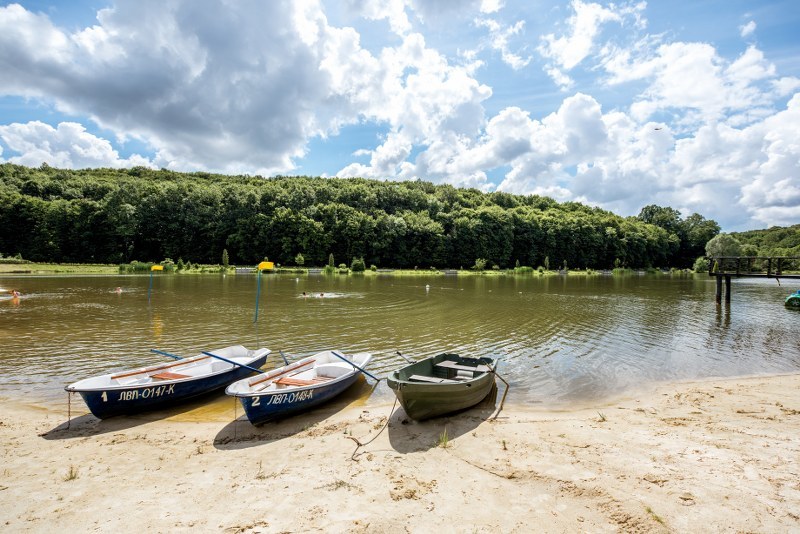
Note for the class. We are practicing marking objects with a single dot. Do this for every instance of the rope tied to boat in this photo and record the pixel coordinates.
(503, 400)
(69, 408)
(385, 425)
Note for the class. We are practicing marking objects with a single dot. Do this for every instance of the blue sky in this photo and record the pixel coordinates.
(688, 104)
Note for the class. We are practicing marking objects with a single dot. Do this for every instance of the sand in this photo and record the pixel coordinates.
(711, 456)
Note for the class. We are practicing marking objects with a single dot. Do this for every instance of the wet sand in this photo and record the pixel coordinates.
(711, 456)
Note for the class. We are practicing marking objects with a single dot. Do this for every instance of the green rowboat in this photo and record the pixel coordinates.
(442, 384)
(793, 300)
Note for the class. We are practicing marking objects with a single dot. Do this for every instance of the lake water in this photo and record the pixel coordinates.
(560, 339)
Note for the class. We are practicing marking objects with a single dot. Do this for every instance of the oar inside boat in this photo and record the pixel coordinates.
(353, 364)
(233, 362)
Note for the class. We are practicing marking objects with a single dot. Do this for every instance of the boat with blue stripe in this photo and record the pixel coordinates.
(158, 386)
(299, 386)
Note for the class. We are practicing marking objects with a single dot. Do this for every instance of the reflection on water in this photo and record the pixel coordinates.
(560, 339)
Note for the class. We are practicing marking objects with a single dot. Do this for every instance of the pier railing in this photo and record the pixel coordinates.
(725, 267)
(755, 266)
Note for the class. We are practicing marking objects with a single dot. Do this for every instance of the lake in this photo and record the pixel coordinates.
(575, 339)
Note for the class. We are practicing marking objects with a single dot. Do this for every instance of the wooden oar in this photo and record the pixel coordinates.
(233, 362)
(351, 363)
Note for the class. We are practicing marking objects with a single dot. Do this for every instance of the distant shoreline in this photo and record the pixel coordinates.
(38, 268)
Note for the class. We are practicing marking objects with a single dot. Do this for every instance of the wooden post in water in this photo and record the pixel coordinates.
(727, 289)
(719, 290)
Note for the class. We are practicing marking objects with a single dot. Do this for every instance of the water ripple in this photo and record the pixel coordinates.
(559, 339)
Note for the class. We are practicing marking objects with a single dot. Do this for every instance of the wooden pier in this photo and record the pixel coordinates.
(750, 267)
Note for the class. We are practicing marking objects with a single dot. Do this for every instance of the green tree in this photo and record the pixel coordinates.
(225, 261)
(480, 264)
(299, 260)
(723, 245)
(667, 218)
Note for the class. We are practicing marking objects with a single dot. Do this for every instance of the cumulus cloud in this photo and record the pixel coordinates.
(693, 81)
(243, 87)
(239, 87)
(69, 145)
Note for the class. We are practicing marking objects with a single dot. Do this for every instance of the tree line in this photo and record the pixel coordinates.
(121, 215)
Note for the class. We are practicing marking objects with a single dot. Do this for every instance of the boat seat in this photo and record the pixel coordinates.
(166, 375)
(289, 381)
(431, 379)
(297, 367)
(453, 365)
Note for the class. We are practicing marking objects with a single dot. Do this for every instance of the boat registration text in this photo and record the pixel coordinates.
(282, 398)
(146, 393)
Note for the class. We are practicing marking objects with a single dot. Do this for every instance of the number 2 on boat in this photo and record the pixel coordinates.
(256, 401)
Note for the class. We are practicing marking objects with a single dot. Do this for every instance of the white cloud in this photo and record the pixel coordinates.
(786, 85)
(568, 51)
(499, 37)
(692, 81)
(206, 96)
(67, 146)
(393, 11)
(491, 6)
(747, 29)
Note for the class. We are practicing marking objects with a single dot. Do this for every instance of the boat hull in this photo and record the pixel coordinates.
(793, 301)
(299, 386)
(422, 400)
(272, 406)
(130, 400)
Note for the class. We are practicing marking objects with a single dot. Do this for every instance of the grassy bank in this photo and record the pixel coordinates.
(57, 268)
(196, 269)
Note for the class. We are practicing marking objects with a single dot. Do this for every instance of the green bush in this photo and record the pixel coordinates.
(357, 265)
(701, 265)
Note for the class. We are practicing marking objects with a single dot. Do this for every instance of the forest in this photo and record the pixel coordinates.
(141, 214)
(775, 241)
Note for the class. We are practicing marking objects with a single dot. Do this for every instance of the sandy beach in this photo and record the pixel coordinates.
(711, 456)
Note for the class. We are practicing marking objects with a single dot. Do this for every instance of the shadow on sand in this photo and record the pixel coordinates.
(88, 425)
(407, 435)
(241, 434)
